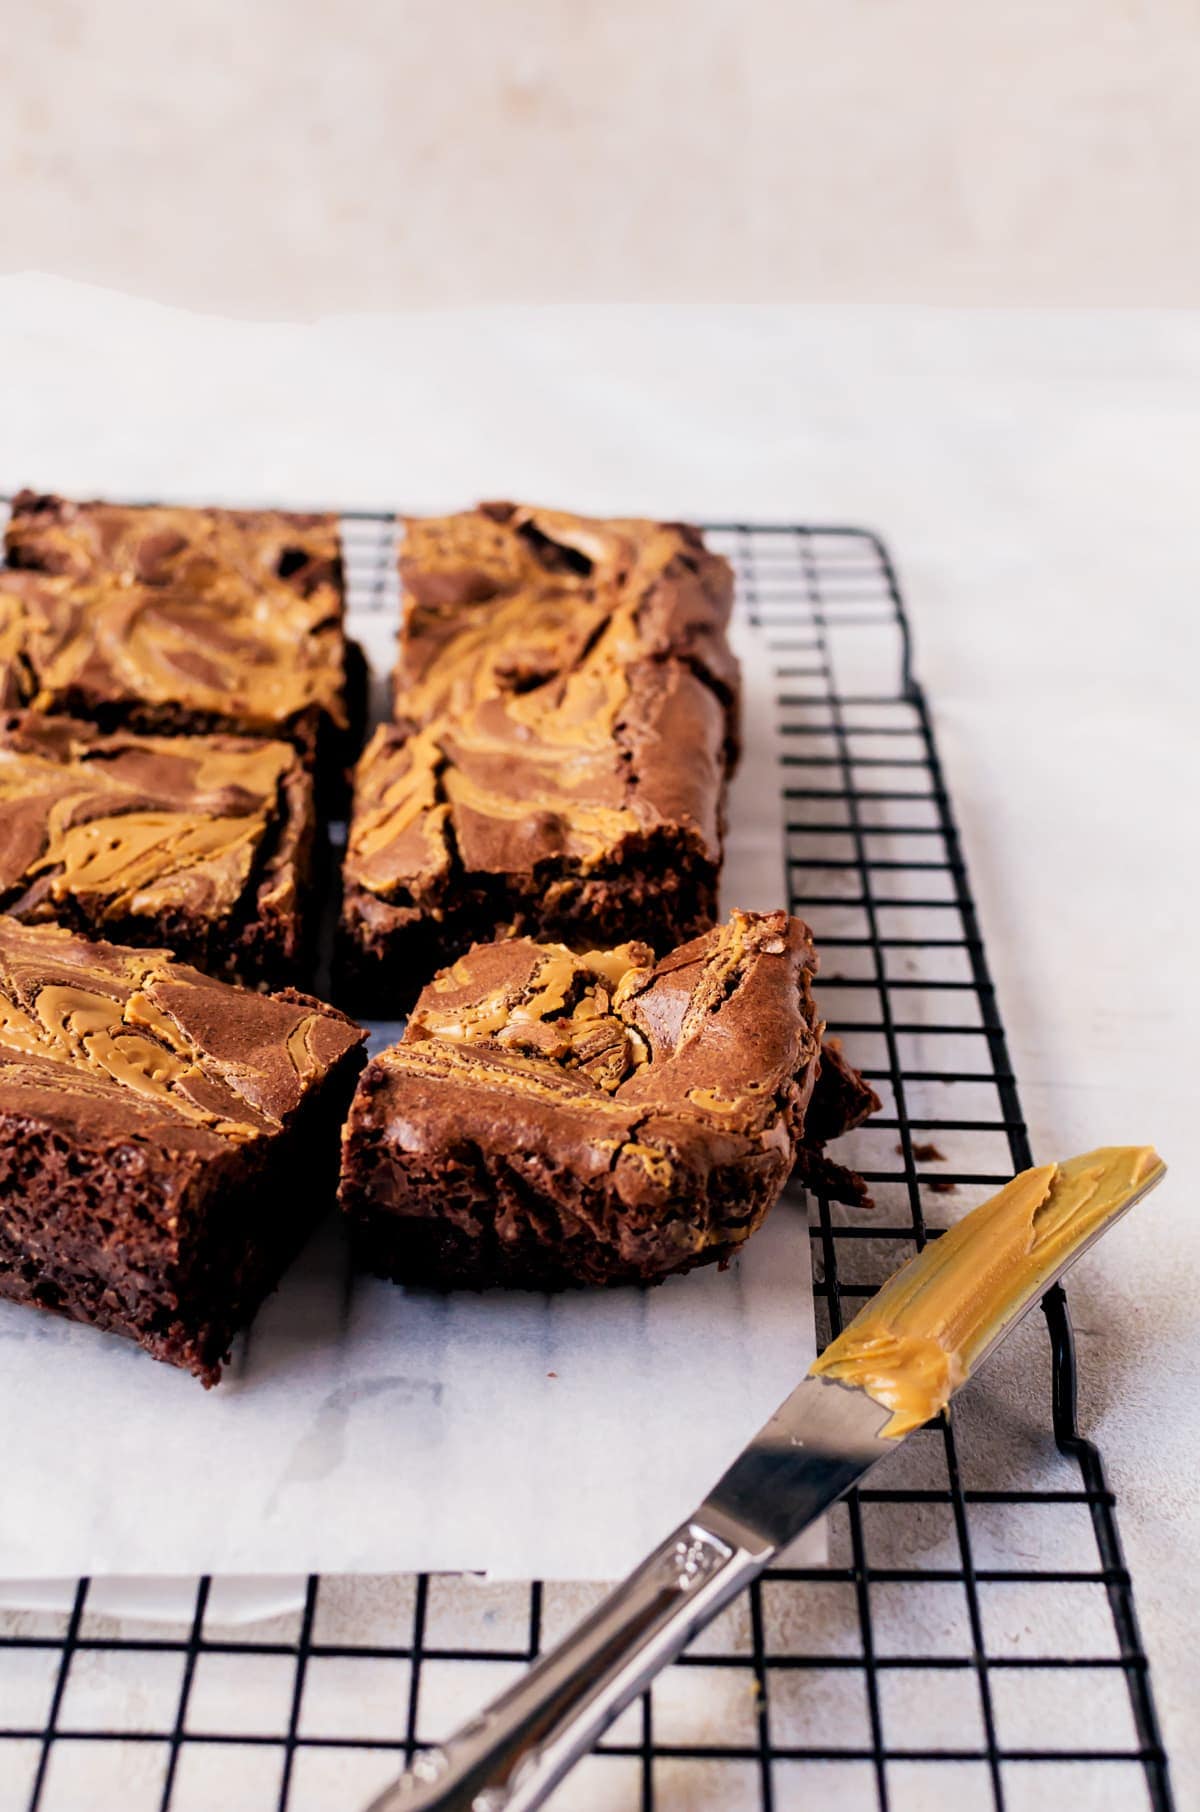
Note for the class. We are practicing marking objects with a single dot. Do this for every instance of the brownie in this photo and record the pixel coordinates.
(565, 706)
(166, 1140)
(177, 620)
(604, 1117)
(841, 1100)
(201, 843)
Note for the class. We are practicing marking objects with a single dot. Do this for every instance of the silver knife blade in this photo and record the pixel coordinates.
(819, 1443)
(896, 1366)
(827, 1435)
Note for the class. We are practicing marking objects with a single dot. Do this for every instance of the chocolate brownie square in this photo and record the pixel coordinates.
(201, 843)
(177, 620)
(166, 1140)
(565, 707)
(604, 1117)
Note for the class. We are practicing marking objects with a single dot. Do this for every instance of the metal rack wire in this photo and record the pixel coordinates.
(1030, 1679)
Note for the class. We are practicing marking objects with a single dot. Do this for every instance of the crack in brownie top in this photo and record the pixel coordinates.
(227, 614)
(551, 667)
(135, 825)
(134, 1043)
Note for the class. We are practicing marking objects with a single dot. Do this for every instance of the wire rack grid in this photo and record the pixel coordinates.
(973, 1641)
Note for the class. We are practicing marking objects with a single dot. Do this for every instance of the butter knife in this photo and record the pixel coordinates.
(895, 1367)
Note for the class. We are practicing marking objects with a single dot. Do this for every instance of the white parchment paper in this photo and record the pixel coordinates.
(364, 1427)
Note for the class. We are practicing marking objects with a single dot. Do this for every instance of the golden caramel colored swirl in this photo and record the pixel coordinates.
(681, 1036)
(627, 1115)
(532, 641)
(14, 681)
(168, 544)
(133, 825)
(917, 1340)
(554, 642)
(97, 1021)
(231, 616)
(563, 1010)
(231, 653)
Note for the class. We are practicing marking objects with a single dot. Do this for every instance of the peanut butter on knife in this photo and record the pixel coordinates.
(918, 1339)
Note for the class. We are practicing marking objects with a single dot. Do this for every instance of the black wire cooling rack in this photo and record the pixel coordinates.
(973, 1642)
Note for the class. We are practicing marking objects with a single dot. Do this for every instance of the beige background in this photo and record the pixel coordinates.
(299, 156)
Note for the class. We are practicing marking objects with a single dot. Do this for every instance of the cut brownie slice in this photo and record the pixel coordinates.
(201, 843)
(554, 1118)
(166, 1140)
(181, 620)
(565, 721)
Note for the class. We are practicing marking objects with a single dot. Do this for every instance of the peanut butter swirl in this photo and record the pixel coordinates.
(551, 668)
(717, 1042)
(917, 1340)
(124, 826)
(230, 617)
(93, 1030)
(162, 544)
(565, 1009)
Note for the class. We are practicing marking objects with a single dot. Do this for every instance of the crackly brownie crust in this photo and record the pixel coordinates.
(553, 1119)
(173, 620)
(565, 706)
(165, 1139)
(203, 843)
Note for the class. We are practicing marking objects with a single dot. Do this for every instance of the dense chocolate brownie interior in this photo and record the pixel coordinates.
(166, 1140)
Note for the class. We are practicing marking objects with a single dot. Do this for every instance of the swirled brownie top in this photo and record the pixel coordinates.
(174, 618)
(506, 600)
(101, 1039)
(555, 1118)
(563, 685)
(126, 825)
(711, 1039)
(152, 544)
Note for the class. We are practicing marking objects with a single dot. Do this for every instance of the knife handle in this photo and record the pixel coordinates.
(512, 1756)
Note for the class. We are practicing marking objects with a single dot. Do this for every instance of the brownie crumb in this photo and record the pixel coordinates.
(923, 1153)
